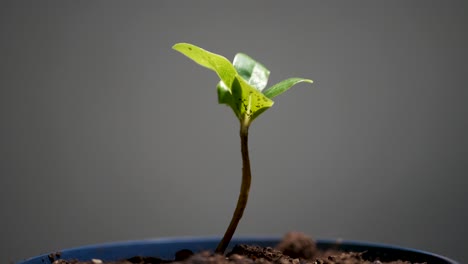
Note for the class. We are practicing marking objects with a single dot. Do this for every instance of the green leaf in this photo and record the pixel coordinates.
(225, 97)
(249, 101)
(245, 100)
(212, 61)
(252, 71)
(283, 86)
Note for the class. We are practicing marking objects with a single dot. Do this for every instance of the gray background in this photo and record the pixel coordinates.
(107, 134)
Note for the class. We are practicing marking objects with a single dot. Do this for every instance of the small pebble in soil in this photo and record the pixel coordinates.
(297, 245)
(183, 254)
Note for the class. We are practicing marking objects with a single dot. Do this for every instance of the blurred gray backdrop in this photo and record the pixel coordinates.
(107, 134)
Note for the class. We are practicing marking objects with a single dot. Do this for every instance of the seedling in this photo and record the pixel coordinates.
(242, 87)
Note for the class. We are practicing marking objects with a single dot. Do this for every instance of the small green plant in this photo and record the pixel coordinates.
(242, 87)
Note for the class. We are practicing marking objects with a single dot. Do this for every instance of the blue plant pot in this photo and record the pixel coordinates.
(166, 247)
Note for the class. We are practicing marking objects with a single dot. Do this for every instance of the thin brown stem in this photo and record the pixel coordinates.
(244, 191)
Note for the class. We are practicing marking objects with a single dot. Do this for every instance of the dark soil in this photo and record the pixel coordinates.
(295, 248)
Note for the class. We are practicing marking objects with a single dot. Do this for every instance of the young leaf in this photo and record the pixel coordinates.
(225, 97)
(283, 86)
(212, 61)
(245, 100)
(249, 102)
(253, 72)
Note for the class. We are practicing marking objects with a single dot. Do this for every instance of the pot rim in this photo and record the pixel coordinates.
(267, 240)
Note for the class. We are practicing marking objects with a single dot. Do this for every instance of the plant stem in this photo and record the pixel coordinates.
(244, 191)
